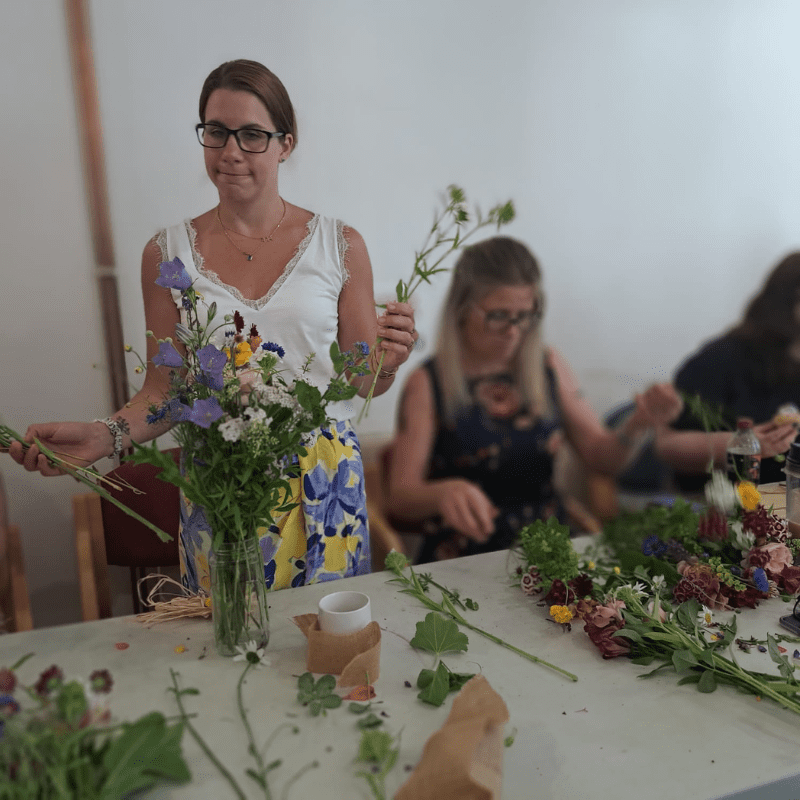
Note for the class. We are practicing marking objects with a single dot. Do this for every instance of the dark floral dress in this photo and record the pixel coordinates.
(497, 444)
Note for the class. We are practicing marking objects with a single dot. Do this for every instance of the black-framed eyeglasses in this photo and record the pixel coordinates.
(499, 320)
(251, 140)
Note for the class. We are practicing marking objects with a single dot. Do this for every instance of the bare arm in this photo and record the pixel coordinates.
(463, 505)
(602, 449)
(357, 321)
(83, 443)
(692, 451)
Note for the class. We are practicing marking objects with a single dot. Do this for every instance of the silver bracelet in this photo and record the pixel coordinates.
(116, 427)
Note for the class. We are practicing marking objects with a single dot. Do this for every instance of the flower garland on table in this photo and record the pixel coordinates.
(650, 589)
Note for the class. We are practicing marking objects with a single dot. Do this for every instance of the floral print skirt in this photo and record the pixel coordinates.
(324, 537)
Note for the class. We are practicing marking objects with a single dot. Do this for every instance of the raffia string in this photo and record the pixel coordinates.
(183, 605)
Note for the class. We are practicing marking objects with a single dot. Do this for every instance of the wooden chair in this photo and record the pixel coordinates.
(104, 534)
(15, 604)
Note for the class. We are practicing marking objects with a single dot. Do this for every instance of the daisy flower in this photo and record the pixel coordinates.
(252, 654)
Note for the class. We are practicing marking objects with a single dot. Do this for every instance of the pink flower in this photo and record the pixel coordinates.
(602, 616)
(662, 615)
(778, 557)
(528, 585)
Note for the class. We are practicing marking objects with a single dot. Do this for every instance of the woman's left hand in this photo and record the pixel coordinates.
(397, 330)
(657, 406)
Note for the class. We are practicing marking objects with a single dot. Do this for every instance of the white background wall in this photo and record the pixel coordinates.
(651, 149)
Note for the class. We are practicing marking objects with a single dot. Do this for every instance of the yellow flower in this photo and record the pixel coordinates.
(243, 353)
(749, 496)
(617, 570)
(560, 614)
(591, 565)
(180, 649)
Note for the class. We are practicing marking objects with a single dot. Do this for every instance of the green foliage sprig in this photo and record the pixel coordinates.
(380, 750)
(547, 546)
(318, 695)
(446, 236)
(397, 563)
(61, 745)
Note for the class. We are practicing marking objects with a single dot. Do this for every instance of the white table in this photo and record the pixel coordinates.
(608, 736)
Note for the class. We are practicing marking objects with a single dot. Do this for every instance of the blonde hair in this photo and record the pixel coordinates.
(482, 268)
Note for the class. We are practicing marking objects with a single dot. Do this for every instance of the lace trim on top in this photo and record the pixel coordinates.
(342, 244)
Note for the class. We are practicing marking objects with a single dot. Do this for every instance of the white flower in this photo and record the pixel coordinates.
(252, 654)
(705, 616)
(255, 414)
(657, 583)
(740, 538)
(232, 429)
(721, 493)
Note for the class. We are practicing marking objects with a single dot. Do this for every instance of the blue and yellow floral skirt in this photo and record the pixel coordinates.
(324, 537)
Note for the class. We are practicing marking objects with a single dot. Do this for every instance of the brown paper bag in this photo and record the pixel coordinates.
(354, 657)
(463, 760)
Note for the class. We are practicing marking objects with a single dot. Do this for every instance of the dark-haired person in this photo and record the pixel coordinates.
(305, 280)
(480, 421)
(751, 371)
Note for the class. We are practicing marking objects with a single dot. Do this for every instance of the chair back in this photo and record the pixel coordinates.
(15, 605)
(105, 534)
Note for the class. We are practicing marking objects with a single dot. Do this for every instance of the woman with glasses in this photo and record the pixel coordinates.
(480, 422)
(305, 281)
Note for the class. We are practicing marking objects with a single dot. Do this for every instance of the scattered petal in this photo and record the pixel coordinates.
(122, 645)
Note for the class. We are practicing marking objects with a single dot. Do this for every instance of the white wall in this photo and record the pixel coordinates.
(651, 149)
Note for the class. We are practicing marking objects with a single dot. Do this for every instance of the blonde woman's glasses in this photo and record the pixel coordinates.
(499, 320)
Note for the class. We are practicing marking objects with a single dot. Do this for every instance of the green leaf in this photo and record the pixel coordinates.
(707, 682)
(326, 684)
(331, 701)
(643, 661)
(438, 689)
(686, 615)
(314, 708)
(683, 660)
(439, 635)
(370, 721)
(425, 678)
(458, 679)
(358, 708)
(146, 750)
(375, 746)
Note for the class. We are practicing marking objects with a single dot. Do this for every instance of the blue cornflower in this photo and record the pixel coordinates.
(186, 303)
(760, 580)
(173, 275)
(158, 414)
(211, 361)
(274, 348)
(167, 356)
(653, 546)
(205, 412)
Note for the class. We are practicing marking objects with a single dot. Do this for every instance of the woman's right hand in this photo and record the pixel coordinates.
(465, 507)
(775, 439)
(79, 443)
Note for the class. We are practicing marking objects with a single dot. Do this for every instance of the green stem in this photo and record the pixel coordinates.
(296, 777)
(262, 771)
(203, 746)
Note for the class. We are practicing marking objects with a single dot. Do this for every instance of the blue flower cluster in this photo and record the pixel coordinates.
(274, 348)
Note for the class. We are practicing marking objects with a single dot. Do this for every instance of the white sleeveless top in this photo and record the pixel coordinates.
(301, 310)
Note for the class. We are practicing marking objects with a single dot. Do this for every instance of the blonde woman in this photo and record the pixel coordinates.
(480, 422)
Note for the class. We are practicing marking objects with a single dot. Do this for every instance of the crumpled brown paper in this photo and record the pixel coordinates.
(463, 760)
(354, 657)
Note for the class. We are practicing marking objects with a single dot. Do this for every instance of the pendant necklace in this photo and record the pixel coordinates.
(261, 239)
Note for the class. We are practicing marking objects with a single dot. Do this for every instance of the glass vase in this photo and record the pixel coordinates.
(238, 595)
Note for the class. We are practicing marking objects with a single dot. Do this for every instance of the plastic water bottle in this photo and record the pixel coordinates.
(744, 454)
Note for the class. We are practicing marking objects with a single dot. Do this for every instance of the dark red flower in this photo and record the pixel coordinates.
(609, 645)
(557, 596)
(101, 681)
(699, 582)
(582, 586)
(758, 557)
(790, 579)
(49, 680)
(713, 525)
(8, 681)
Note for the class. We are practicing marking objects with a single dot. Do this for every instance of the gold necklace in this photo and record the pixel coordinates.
(262, 239)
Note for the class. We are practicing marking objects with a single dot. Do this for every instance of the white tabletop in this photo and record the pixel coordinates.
(610, 735)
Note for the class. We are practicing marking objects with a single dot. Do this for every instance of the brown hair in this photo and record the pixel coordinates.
(250, 76)
(770, 326)
(482, 268)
